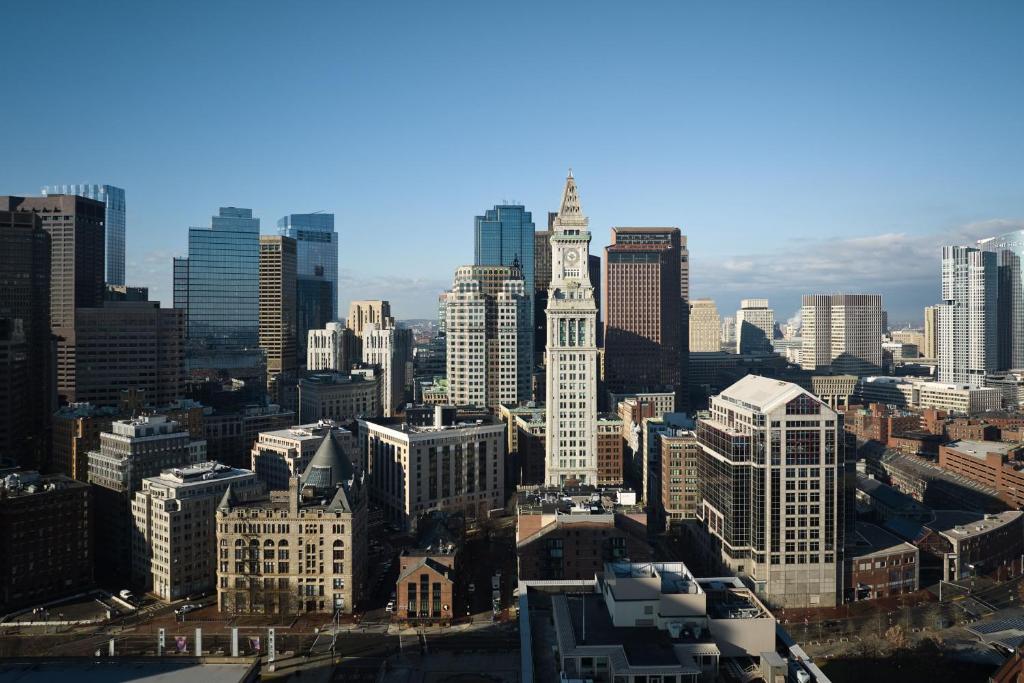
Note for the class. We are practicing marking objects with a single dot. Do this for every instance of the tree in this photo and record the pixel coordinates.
(896, 637)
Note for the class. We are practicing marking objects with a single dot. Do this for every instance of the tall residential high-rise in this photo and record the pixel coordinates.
(503, 236)
(487, 337)
(362, 313)
(114, 220)
(705, 327)
(644, 346)
(278, 308)
(75, 226)
(755, 327)
(967, 317)
(218, 286)
(770, 479)
(842, 332)
(1009, 250)
(28, 392)
(571, 354)
(931, 332)
(389, 347)
(316, 269)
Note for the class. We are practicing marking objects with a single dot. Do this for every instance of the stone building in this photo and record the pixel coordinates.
(279, 455)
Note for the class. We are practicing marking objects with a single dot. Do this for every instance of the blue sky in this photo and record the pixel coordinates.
(802, 146)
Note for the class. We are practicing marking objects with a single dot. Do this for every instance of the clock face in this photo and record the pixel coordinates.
(572, 256)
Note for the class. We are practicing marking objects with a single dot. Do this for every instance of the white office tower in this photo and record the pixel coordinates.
(705, 326)
(571, 354)
(770, 483)
(389, 347)
(755, 327)
(967, 342)
(488, 333)
(331, 348)
(842, 333)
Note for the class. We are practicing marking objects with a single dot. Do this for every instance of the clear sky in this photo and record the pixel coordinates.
(802, 146)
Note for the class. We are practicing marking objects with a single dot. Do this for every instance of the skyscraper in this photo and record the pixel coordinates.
(389, 347)
(75, 226)
(705, 326)
(362, 313)
(643, 325)
(278, 306)
(542, 280)
(1009, 250)
(967, 320)
(931, 332)
(487, 337)
(770, 482)
(755, 327)
(503, 236)
(684, 269)
(218, 286)
(842, 332)
(29, 389)
(571, 355)
(317, 270)
(114, 220)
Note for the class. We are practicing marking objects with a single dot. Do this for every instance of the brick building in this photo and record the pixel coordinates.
(680, 452)
(425, 586)
(994, 464)
(877, 422)
(879, 565)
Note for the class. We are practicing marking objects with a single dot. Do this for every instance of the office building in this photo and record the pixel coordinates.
(997, 465)
(221, 295)
(230, 434)
(1008, 249)
(114, 221)
(487, 337)
(504, 236)
(388, 347)
(76, 431)
(363, 313)
(333, 348)
(680, 458)
(610, 452)
(125, 293)
(76, 230)
(967, 317)
(277, 333)
(755, 327)
(447, 466)
(317, 258)
(279, 455)
(133, 450)
(571, 355)
(128, 346)
(842, 333)
(29, 373)
(46, 549)
(931, 332)
(705, 327)
(339, 396)
(296, 551)
(771, 490)
(174, 549)
(729, 333)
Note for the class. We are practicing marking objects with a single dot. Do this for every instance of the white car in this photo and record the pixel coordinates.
(186, 608)
(390, 606)
(472, 587)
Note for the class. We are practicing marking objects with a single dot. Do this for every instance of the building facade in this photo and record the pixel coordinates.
(571, 354)
(880, 565)
(340, 397)
(174, 550)
(317, 257)
(363, 313)
(842, 333)
(296, 551)
(680, 459)
(332, 348)
(389, 347)
(114, 221)
(771, 489)
(967, 318)
(755, 325)
(705, 327)
(279, 455)
(278, 308)
(931, 332)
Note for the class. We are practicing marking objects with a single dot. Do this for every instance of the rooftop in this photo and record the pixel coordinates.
(958, 525)
(885, 494)
(302, 433)
(29, 482)
(870, 540)
(761, 393)
(979, 449)
(576, 501)
(399, 424)
(197, 473)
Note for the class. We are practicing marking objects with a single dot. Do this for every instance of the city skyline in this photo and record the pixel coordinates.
(808, 146)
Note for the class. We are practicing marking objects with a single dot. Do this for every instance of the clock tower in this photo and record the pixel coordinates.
(571, 355)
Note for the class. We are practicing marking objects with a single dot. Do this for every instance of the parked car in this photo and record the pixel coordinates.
(390, 606)
(126, 595)
(186, 608)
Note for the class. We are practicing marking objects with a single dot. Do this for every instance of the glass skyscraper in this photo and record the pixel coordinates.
(1009, 250)
(503, 236)
(218, 286)
(318, 248)
(113, 197)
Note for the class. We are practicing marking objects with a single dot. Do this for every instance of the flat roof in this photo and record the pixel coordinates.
(141, 670)
(643, 645)
(979, 449)
(958, 524)
(870, 540)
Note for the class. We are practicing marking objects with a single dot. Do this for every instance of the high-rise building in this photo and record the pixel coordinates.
(76, 431)
(684, 269)
(278, 309)
(770, 477)
(312, 558)
(75, 226)
(644, 347)
(755, 327)
(389, 347)
(571, 351)
(131, 451)
(967, 320)
(931, 332)
(680, 457)
(541, 282)
(332, 348)
(28, 389)
(174, 547)
(1009, 250)
(842, 333)
(504, 236)
(488, 337)
(729, 332)
(317, 250)
(220, 295)
(281, 454)
(46, 549)
(340, 397)
(128, 346)
(705, 327)
(114, 221)
(362, 313)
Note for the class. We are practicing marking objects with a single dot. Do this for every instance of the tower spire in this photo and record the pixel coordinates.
(569, 212)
